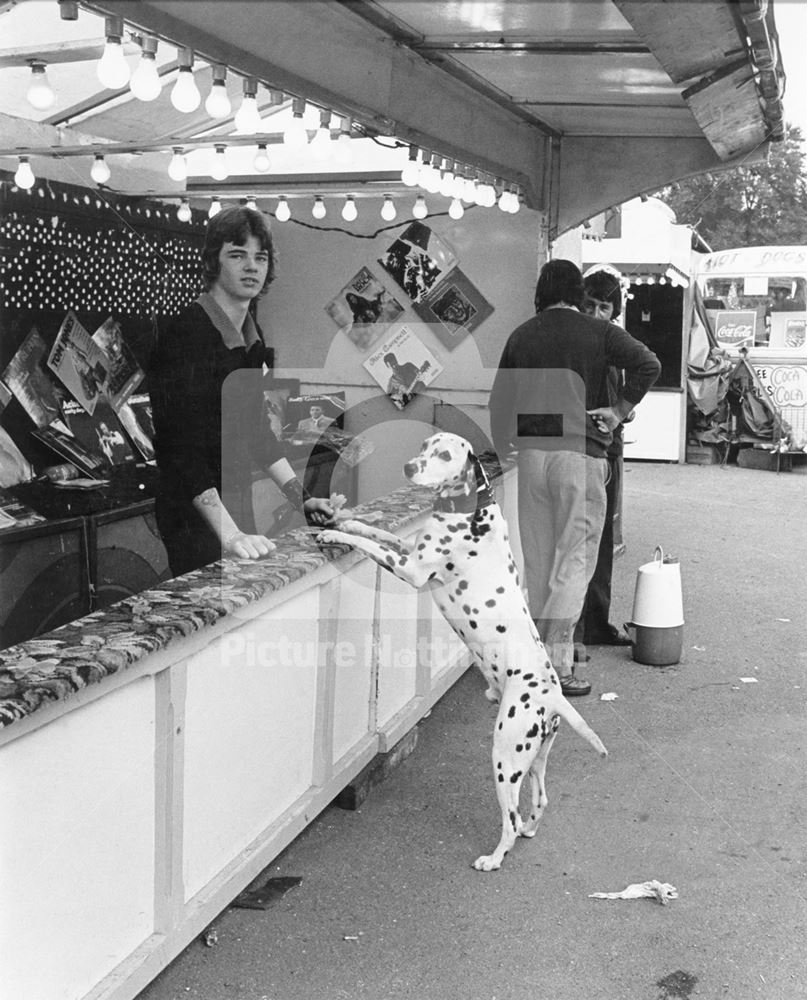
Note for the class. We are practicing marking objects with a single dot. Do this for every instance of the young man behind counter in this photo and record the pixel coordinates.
(210, 425)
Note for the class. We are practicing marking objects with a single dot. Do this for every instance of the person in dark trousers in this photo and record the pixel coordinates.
(211, 427)
(603, 300)
(550, 401)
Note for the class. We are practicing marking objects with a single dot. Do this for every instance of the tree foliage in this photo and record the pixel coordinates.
(760, 205)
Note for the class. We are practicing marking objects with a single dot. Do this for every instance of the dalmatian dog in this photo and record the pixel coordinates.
(463, 555)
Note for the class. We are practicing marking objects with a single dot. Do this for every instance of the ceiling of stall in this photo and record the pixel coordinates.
(548, 96)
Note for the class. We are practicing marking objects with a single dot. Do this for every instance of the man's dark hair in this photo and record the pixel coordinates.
(390, 360)
(235, 225)
(604, 287)
(559, 281)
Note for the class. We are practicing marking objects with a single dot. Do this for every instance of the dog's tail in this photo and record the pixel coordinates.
(579, 725)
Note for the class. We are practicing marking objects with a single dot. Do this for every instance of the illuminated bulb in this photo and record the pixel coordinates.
(455, 209)
(99, 171)
(248, 118)
(178, 167)
(468, 191)
(479, 194)
(215, 208)
(219, 171)
(261, 162)
(447, 183)
(282, 212)
(184, 213)
(113, 70)
(321, 143)
(318, 211)
(251, 203)
(388, 212)
(349, 211)
(24, 177)
(40, 93)
(295, 135)
(185, 96)
(217, 103)
(409, 174)
(458, 187)
(145, 83)
(489, 195)
(504, 200)
(432, 179)
(420, 211)
(515, 202)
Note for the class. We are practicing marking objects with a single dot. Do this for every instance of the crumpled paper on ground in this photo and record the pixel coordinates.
(662, 891)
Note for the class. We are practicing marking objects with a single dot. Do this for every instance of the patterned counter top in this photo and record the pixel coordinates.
(52, 667)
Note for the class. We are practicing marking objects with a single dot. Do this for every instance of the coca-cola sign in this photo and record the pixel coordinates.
(736, 328)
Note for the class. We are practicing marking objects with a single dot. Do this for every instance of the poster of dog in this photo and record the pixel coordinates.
(364, 309)
(403, 366)
(418, 260)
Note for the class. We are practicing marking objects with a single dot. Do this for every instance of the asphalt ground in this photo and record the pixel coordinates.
(704, 788)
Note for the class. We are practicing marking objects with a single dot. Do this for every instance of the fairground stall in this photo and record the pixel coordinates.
(756, 299)
(416, 160)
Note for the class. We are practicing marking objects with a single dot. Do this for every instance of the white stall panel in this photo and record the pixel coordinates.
(657, 430)
(77, 846)
(353, 657)
(397, 647)
(249, 729)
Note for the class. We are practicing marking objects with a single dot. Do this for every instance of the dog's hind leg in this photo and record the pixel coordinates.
(538, 787)
(508, 771)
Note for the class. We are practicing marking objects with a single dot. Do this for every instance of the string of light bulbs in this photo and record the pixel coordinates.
(461, 183)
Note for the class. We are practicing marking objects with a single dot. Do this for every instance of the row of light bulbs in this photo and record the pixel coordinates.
(437, 175)
(319, 210)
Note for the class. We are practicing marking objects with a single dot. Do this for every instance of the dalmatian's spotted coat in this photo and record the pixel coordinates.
(466, 560)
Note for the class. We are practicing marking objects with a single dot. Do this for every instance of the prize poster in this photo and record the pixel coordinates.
(403, 366)
(418, 260)
(364, 309)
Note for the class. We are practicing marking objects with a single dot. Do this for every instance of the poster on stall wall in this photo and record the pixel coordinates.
(364, 309)
(453, 308)
(79, 362)
(417, 260)
(135, 415)
(403, 366)
(125, 374)
(28, 380)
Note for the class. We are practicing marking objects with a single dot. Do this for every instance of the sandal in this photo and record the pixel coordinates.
(573, 687)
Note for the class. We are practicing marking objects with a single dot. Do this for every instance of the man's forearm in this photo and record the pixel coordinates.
(215, 514)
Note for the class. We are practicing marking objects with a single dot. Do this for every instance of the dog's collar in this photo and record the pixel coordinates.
(468, 503)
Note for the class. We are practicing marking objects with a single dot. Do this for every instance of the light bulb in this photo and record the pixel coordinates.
(40, 93)
(388, 212)
(261, 162)
(185, 96)
(24, 177)
(248, 118)
(99, 171)
(219, 170)
(215, 208)
(455, 209)
(145, 83)
(320, 145)
(349, 211)
(420, 211)
(178, 167)
(217, 102)
(251, 203)
(113, 70)
(515, 202)
(479, 194)
(458, 187)
(282, 212)
(295, 135)
(409, 174)
(431, 179)
(184, 213)
(318, 210)
(469, 191)
(504, 200)
(447, 184)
